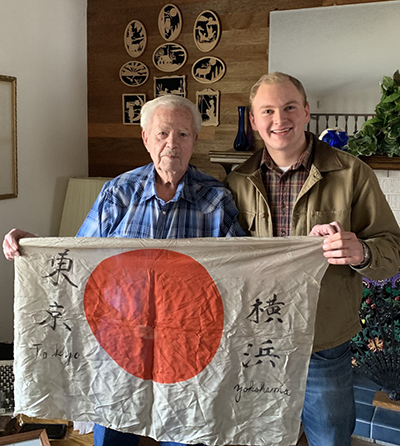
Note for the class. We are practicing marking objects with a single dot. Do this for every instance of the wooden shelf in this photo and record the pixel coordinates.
(382, 399)
(382, 162)
(230, 159)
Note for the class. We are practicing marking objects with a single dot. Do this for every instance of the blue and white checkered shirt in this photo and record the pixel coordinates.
(128, 206)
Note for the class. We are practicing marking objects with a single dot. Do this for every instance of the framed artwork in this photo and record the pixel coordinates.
(134, 73)
(131, 107)
(32, 438)
(206, 31)
(135, 38)
(8, 137)
(208, 70)
(208, 105)
(170, 22)
(170, 85)
(169, 57)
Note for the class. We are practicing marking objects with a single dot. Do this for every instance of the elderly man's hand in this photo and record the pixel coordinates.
(11, 242)
(340, 247)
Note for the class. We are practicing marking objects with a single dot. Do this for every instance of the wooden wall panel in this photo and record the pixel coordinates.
(115, 148)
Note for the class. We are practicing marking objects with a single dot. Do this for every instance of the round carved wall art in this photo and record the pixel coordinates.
(134, 73)
(206, 31)
(208, 70)
(169, 57)
(170, 22)
(135, 38)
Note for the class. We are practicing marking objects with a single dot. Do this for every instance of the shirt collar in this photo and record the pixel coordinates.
(183, 190)
(305, 160)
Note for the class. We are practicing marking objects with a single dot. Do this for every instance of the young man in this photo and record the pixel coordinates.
(298, 185)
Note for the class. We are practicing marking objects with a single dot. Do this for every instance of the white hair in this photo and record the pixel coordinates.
(170, 101)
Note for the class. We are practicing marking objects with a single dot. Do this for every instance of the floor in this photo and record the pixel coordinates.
(302, 441)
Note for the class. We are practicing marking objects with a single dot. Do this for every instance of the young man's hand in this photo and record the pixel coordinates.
(340, 247)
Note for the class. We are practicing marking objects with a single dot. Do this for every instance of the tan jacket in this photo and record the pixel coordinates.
(339, 187)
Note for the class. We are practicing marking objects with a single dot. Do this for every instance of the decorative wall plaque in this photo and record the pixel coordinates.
(208, 70)
(134, 73)
(170, 22)
(135, 38)
(131, 107)
(206, 31)
(208, 105)
(170, 85)
(169, 57)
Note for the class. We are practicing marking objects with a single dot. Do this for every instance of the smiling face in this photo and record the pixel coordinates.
(170, 141)
(279, 116)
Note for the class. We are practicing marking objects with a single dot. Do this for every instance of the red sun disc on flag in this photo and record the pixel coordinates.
(156, 312)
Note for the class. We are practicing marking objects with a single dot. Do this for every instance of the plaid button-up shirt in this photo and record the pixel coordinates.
(284, 187)
(128, 206)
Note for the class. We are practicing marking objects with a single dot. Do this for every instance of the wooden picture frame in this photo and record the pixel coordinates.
(134, 73)
(208, 70)
(169, 57)
(8, 137)
(131, 107)
(206, 31)
(170, 85)
(208, 105)
(170, 22)
(32, 438)
(135, 38)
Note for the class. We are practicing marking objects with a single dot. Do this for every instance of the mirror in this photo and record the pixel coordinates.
(339, 53)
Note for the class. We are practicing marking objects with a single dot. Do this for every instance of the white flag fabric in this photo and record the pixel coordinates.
(194, 341)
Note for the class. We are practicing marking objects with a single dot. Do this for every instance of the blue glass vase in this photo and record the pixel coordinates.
(241, 143)
(332, 138)
(343, 138)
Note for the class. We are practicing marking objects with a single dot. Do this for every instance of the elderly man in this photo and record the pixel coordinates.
(298, 185)
(168, 198)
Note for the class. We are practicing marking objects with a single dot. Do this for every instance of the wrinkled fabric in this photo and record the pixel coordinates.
(340, 188)
(195, 341)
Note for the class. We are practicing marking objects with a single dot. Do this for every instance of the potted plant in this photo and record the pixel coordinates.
(380, 135)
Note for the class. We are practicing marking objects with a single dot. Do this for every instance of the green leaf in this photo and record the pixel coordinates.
(394, 121)
(389, 147)
(387, 82)
(393, 97)
(362, 145)
(372, 128)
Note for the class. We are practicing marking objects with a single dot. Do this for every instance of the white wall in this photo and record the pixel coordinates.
(338, 52)
(43, 44)
(390, 185)
(361, 100)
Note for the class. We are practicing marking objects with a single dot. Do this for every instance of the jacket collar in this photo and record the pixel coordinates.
(325, 158)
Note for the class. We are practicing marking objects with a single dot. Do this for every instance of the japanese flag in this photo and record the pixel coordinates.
(194, 341)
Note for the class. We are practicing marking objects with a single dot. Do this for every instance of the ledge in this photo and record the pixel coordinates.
(230, 159)
(381, 399)
(382, 162)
